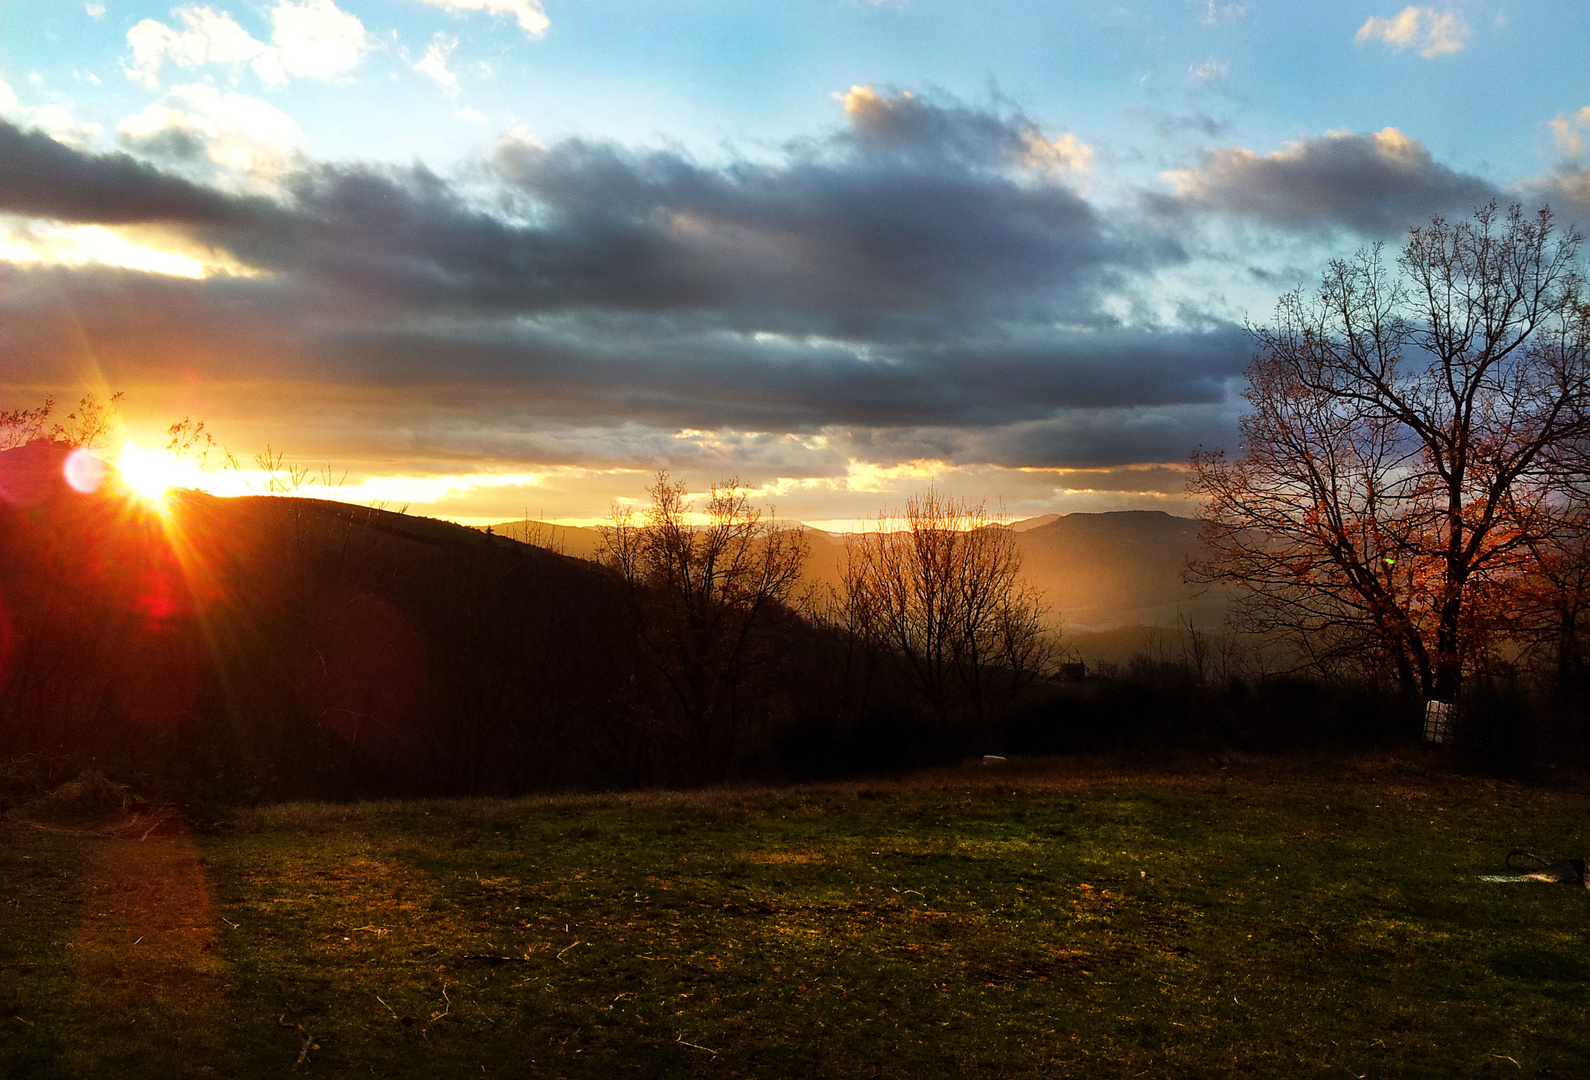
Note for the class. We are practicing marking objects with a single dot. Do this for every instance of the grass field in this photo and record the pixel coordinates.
(1044, 919)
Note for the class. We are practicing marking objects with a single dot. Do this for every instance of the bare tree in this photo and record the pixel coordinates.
(941, 590)
(701, 594)
(18, 427)
(85, 426)
(90, 422)
(1399, 456)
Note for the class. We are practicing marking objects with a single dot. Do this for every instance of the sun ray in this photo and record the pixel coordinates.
(150, 475)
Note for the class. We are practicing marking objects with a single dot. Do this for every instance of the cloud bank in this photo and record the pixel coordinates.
(1377, 184)
(926, 282)
(312, 39)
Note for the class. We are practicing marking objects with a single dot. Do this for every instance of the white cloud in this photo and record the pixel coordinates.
(1432, 33)
(57, 120)
(248, 138)
(95, 10)
(1064, 153)
(309, 39)
(1209, 71)
(61, 124)
(1572, 131)
(474, 116)
(207, 38)
(532, 18)
(434, 64)
(314, 39)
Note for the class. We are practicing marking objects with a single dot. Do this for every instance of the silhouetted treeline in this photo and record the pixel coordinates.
(267, 648)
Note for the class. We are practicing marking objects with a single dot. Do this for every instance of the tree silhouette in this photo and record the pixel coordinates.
(702, 592)
(941, 591)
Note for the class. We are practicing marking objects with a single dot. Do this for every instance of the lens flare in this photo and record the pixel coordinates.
(83, 471)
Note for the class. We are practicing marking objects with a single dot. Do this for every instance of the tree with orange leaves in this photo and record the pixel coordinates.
(1405, 446)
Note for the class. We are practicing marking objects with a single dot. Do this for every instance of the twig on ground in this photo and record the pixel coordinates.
(566, 949)
(681, 1041)
(435, 1016)
(306, 1040)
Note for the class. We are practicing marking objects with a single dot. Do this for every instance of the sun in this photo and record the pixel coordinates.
(148, 474)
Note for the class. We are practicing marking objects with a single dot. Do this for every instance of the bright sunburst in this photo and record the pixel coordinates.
(151, 474)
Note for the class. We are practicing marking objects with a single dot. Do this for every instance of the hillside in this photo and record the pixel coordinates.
(274, 647)
(296, 646)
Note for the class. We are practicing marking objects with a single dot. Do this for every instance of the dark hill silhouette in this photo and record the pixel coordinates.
(298, 646)
(285, 647)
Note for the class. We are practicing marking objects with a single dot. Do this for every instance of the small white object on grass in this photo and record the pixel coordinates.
(993, 759)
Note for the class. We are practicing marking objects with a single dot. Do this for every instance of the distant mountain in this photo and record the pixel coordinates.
(1098, 572)
(582, 543)
(1107, 571)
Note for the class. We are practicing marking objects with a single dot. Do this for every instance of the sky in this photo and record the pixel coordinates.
(486, 259)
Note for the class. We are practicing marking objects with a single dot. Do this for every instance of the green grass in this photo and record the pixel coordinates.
(1028, 921)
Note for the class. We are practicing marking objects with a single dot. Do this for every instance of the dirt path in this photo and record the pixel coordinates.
(150, 994)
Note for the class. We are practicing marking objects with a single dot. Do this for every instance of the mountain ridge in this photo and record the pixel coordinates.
(1099, 571)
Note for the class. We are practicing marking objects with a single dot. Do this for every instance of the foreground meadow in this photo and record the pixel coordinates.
(1043, 919)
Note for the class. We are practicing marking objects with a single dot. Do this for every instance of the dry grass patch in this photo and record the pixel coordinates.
(1298, 919)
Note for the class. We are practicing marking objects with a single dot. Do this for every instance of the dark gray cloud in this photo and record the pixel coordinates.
(1376, 185)
(1108, 437)
(927, 268)
(645, 370)
(40, 177)
(914, 220)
